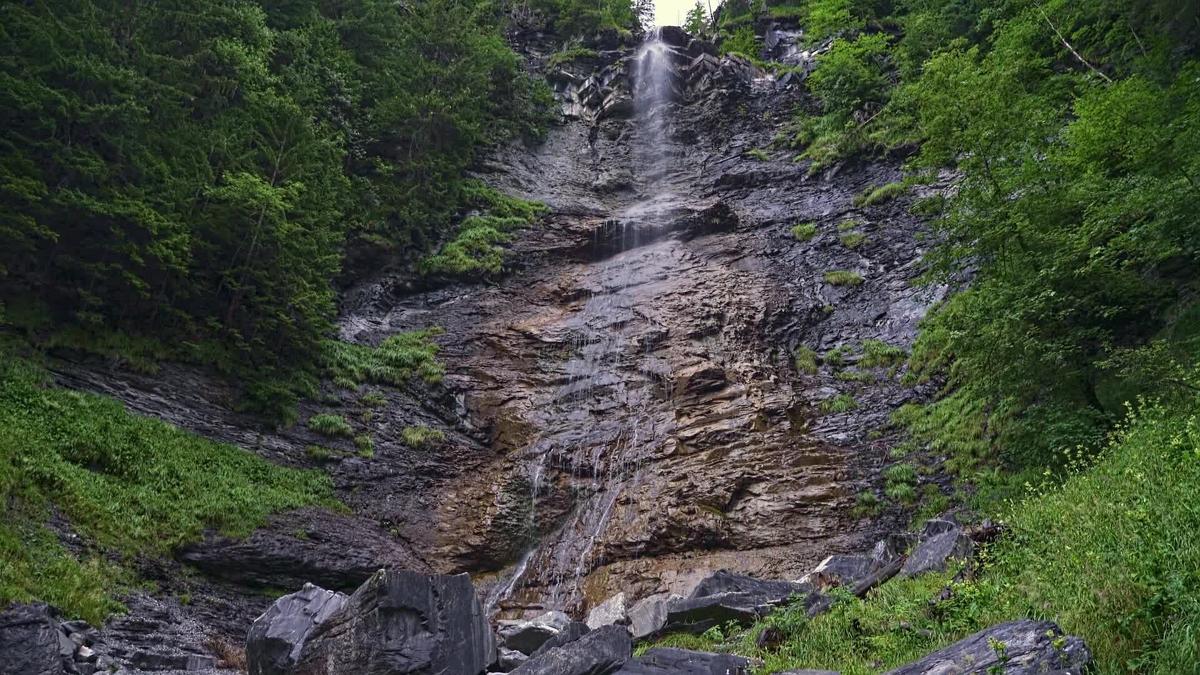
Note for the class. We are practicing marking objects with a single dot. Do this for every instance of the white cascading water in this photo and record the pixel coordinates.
(605, 342)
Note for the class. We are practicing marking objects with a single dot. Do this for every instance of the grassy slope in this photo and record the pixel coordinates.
(129, 485)
(1111, 554)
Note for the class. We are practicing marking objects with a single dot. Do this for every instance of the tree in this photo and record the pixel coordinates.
(697, 19)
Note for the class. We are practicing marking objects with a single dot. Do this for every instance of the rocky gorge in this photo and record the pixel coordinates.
(623, 435)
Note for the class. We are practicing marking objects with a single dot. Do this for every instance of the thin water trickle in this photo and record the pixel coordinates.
(611, 407)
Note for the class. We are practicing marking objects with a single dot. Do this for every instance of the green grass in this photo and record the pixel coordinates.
(320, 453)
(804, 231)
(758, 154)
(365, 445)
(331, 425)
(805, 360)
(854, 376)
(1109, 553)
(421, 436)
(852, 239)
(880, 194)
(128, 485)
(475, 251)
(839, 404)
(847, 225)
(879, 354)
(373, 399)
(570, 54)
(395, 361)
(843, 278)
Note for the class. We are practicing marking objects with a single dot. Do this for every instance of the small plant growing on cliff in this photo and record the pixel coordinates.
(806, 360)
(330, 425)
(365, 445)
(320, 453)
(836, 357)
(880, 194)
(804, 231)
(843, 278)
(854, 376)
(758, 154)
(879, 354)
(421, 436)
(839, 404)
(373, 399)
(866, 503)
(395, 361)
(847, 225)
(852, 239)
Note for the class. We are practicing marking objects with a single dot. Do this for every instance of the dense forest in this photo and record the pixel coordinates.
(194, 181)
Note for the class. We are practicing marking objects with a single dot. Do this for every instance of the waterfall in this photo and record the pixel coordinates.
(608, 426)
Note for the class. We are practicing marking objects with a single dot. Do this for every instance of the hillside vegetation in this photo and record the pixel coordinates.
(1068, 358)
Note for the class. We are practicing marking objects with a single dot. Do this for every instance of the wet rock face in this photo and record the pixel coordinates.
(30, 642)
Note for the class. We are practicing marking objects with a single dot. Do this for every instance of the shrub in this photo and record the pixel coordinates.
(843, 278)
(804, 231)
(330, 425)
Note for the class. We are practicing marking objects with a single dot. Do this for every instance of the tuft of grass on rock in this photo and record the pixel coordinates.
(805, 360)
(804, 231)
(843, 278)
(330, 425)
(758, 154)
(839, 404)
(421, 436)
(852, 239)
(880, 194)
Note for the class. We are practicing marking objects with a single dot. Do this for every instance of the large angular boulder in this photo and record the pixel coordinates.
(840, 570)
(600, 652)
(403, 622)
(671, 661)
(527, 636)
(724, 597)
(1024, 647)
(31, 643)
(648, 615)
(608, 612)
(276, 638)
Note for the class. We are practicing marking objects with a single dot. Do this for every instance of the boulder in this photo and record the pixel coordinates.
(276, 638)
(933, 550)
(608, 612)
(573, 631)
(891, 548)
(1024, 647)
(527, 636)
(403, 622)
(723, 581)
(840, 570)
(509, 659)
(30, 641)
(670, 661)
(648, 615)
(600, 652)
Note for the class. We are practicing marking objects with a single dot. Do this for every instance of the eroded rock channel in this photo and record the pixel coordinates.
(622, 412)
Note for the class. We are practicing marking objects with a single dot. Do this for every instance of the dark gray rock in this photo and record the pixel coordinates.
(892, 548)
(840, 570)
(275, 641)
(573, 631)
(600, 652)
(403, 622)
(509, 659)
(933, 551)
(722, 581)
(670, 661)
(1024, 647)
(29, 641)
(527, 636)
